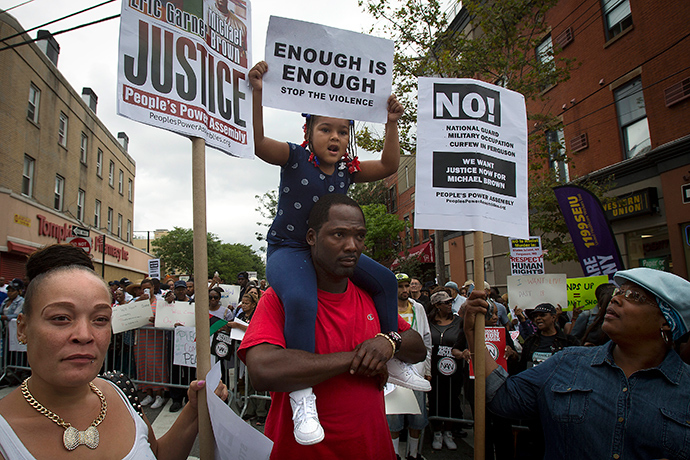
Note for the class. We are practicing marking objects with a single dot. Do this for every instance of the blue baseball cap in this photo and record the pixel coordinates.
(671, 291)
(452, 284)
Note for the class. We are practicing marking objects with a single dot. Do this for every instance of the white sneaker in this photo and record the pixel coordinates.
(437, 443)
(158, 402)
(308, 429)
(405, 375)
(448, 440)
(147, 400)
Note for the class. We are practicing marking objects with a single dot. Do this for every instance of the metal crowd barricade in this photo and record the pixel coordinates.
(14, 363)
(155, 364)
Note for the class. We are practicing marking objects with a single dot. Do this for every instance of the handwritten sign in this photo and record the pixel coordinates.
(528, 291)
(185, 346)
(230, 297)
(130, 316)
(327, 71)
(167, 315)
(581, 291)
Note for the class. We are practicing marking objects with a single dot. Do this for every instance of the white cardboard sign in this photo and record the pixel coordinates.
(130, 316)
(169, 314)
(471, 158)
(185, 346)
(327, 71)
(234, 437)
(528, 291)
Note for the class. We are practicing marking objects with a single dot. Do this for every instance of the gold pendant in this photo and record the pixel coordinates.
(74, 438)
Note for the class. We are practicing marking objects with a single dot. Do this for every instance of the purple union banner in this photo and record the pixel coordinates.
(594, 242)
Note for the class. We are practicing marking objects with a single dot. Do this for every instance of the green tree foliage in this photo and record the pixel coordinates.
(176, 251)
(497, 44)
(268, 208)
(234, 258)
(365, 193)
(382, 232)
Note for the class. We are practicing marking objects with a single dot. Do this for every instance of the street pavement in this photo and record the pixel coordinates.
(162, 419)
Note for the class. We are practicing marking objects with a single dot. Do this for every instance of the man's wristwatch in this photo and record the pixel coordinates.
(396, 338)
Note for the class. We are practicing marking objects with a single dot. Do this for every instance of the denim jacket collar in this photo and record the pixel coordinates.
(671, 367)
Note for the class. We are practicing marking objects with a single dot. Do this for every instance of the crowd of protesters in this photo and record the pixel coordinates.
(438, 313)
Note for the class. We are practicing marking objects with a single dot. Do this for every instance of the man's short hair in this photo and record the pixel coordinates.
(319, 213)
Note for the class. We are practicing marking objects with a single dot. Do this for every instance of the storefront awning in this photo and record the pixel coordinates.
(20, 248)
(423, 252)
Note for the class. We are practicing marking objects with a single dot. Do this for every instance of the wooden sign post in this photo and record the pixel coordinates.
(203, 341)
(478, 358)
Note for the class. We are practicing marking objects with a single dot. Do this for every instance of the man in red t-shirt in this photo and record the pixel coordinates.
(349, 366)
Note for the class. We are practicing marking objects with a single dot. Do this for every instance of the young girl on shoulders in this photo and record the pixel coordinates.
(324, 163)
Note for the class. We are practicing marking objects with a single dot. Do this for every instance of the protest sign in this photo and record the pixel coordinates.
(496, 345)
(327, 71)
(155, 268)
(130, 316)
(526, 256)
(184, 346)
(528, 291)
(230, 297)
(581, 291)
(471, 158)
(184, 69)
(235, 438)
(169, 314)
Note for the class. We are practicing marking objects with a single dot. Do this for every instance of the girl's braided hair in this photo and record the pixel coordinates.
(351, 143)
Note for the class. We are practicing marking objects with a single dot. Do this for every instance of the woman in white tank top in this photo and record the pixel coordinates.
(63, 410)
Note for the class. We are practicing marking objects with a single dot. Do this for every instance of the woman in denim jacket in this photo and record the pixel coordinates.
(629, 398)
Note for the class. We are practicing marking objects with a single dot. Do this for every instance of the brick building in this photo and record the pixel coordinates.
(626, 116)
(60, 167)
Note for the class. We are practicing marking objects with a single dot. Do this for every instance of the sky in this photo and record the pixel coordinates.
(163, 183)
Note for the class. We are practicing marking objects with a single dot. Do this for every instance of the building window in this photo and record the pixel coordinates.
(632, 118)
(111, 174)
(130, 189)
(110, 220)
(84, 147)
(555, 145)
(119, 225)
(545, 52)
(415, 233)
(28, 176)
(62, 130)
(59, 192)
(81, 196)
(34, 100)
(425, 234)
(129, 231)
(392, 199)
(407, 178)
(97, 215)
(120, 182)
(99, 163)
(618, 17)
(407, 232)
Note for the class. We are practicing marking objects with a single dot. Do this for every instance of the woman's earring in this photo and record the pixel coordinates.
(665, 337)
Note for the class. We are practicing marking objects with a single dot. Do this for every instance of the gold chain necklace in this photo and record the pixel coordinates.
(72, 438)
